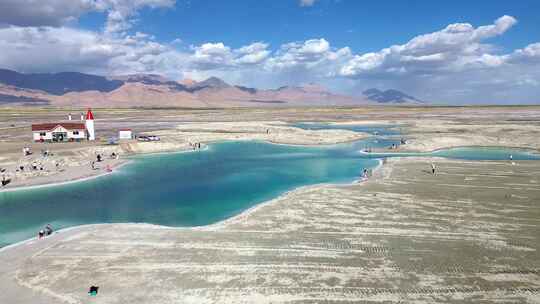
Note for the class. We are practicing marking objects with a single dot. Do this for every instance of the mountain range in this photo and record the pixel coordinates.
(151, 90)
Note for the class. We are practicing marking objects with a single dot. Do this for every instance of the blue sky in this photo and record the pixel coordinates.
(447, 51)
(365, 26)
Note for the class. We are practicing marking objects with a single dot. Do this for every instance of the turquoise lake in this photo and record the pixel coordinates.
(200, 187)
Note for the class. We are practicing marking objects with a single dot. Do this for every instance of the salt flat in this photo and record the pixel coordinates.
(469, 234)
(405, 235)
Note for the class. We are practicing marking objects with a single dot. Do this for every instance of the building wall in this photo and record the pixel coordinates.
(49, 134)
(81, 135)
(125, 135)
(37, 136)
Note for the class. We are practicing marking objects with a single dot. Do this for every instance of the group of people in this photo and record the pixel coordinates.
(195, 145)
(99, 158)
(394, 146)
(27, 165)
(45, 232)
(35, 166)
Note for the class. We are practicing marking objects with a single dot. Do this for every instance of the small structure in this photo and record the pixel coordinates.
(90, 125)
(58, 132)
(125, 134)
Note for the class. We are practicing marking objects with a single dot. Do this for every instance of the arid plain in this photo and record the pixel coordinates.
(469, 234)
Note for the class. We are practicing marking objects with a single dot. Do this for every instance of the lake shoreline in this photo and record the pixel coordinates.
(214, 226)
(82, 172)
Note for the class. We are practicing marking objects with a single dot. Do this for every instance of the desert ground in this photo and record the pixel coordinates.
(468, 234)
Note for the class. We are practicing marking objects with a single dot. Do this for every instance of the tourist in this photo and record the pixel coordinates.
(512, 159)
(99, 158)
(48, 229)
(432, 168)
(5, 181)
(93, 164)
(26, 151)
(41, 234)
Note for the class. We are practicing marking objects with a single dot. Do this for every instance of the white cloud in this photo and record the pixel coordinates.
(457, 47)
(121, 12)
(305, 3)
(454, 59)
(56, 13)
(50, 49)
(212, 56)
(529, 54)
(56, 49)
(307, 54)
(43, 13)
(252, 54)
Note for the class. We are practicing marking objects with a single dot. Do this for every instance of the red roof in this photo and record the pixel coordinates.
(89, 115)
(66, 125)
(125, 129)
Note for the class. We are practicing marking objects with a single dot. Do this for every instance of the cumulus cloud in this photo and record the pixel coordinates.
(211, 56)
(252, 54)
(121, 12)
(306, 54)
(43, 49)
(458, 46)
(528, 55)
(56, 49)
(43, 13)
(307, 2)
(456, 62)
(59, 12)
(217, 56)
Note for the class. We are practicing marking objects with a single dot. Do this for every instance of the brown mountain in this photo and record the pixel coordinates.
(150, 90)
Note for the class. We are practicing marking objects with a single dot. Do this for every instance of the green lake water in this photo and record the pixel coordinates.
(197, 188)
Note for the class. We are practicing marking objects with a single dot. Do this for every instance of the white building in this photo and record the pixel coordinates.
(65, 131)
(58, 132)
(125, 134)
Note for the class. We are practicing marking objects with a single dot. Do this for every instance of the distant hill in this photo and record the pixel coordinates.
(59, 83)
(389, 96)
(151, 90)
